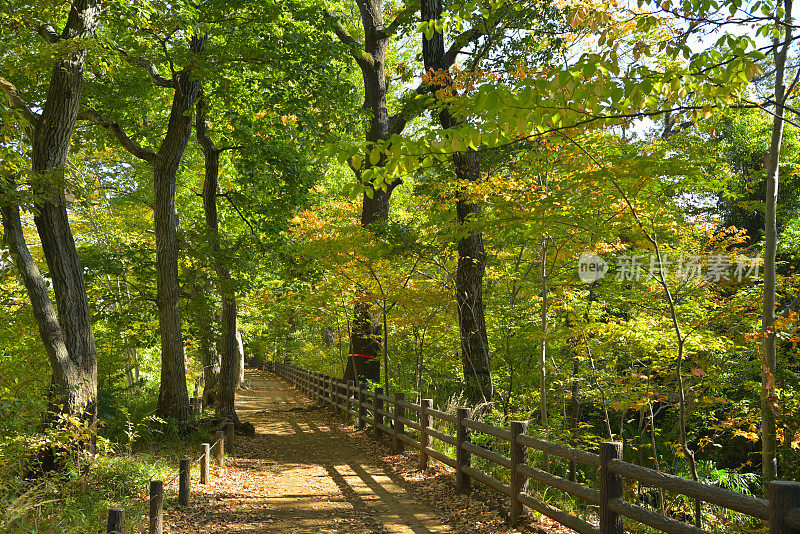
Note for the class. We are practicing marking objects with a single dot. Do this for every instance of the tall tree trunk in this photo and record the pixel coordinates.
(471, 253)
(228, 376)
(365, 345)
(173, 397)
(769, 464)
(67, 334)
(574, 405)
(239, 359)
(543, 354)
(211, 364)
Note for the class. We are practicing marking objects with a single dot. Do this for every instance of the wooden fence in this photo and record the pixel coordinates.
(116, 516)
(781, 511)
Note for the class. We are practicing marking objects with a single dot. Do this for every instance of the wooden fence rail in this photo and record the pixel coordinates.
(781, 511)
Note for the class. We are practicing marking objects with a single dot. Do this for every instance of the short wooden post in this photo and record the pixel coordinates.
(156, 506)
(204, 463)
(229, 433)
(332, 395)
(425, 440)
(378, 407)
(116, 520)
(783, 497)
(184, 481)
(220, 449)
(399, 428)
(519, 482)
(610, 488)
(463, 457)
(362, 406)
(348, 390)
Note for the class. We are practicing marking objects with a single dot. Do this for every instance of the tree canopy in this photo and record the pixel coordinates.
(407, 192)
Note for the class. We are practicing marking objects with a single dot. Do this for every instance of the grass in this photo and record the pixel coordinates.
(76, 498)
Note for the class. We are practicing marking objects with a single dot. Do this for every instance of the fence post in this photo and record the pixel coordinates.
(116, 520)
(184, 481)
(204, 461)
(463, 457)
(156, 506)
(610, 488)
(783, 497)
(399, 428)
(362, 405)
(347, 400)
(378, 406)
(519, 456)
(229, 432)
(425, 440)
(332, 395)
(220, 449)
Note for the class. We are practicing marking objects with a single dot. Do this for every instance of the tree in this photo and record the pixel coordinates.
(65, 330)
(780, 51)
(173, 399)
(471, 253)
(371, 58)
(225, 407)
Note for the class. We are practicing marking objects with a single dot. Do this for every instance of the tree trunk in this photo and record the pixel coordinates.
(469, 290)
(67, 334)
(365, 345)
(173, 397)
(574, 406)
(239, 359)
(211, 364)
(228, 376)
(769, 467)
(543, 355)
(471, 253)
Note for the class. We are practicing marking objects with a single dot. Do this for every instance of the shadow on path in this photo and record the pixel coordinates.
(300, 473)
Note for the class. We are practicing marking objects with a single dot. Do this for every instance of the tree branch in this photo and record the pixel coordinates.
(16, 101)
(410, 109)
(158, 78)
(459, 42)
(403, 16)
(363, 59)
(48, 33)
(127, 143)
(241, 216)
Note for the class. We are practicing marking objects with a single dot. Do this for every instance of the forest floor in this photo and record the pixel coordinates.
(306, 471)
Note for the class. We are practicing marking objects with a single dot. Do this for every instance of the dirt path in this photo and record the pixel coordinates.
(300, 473)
